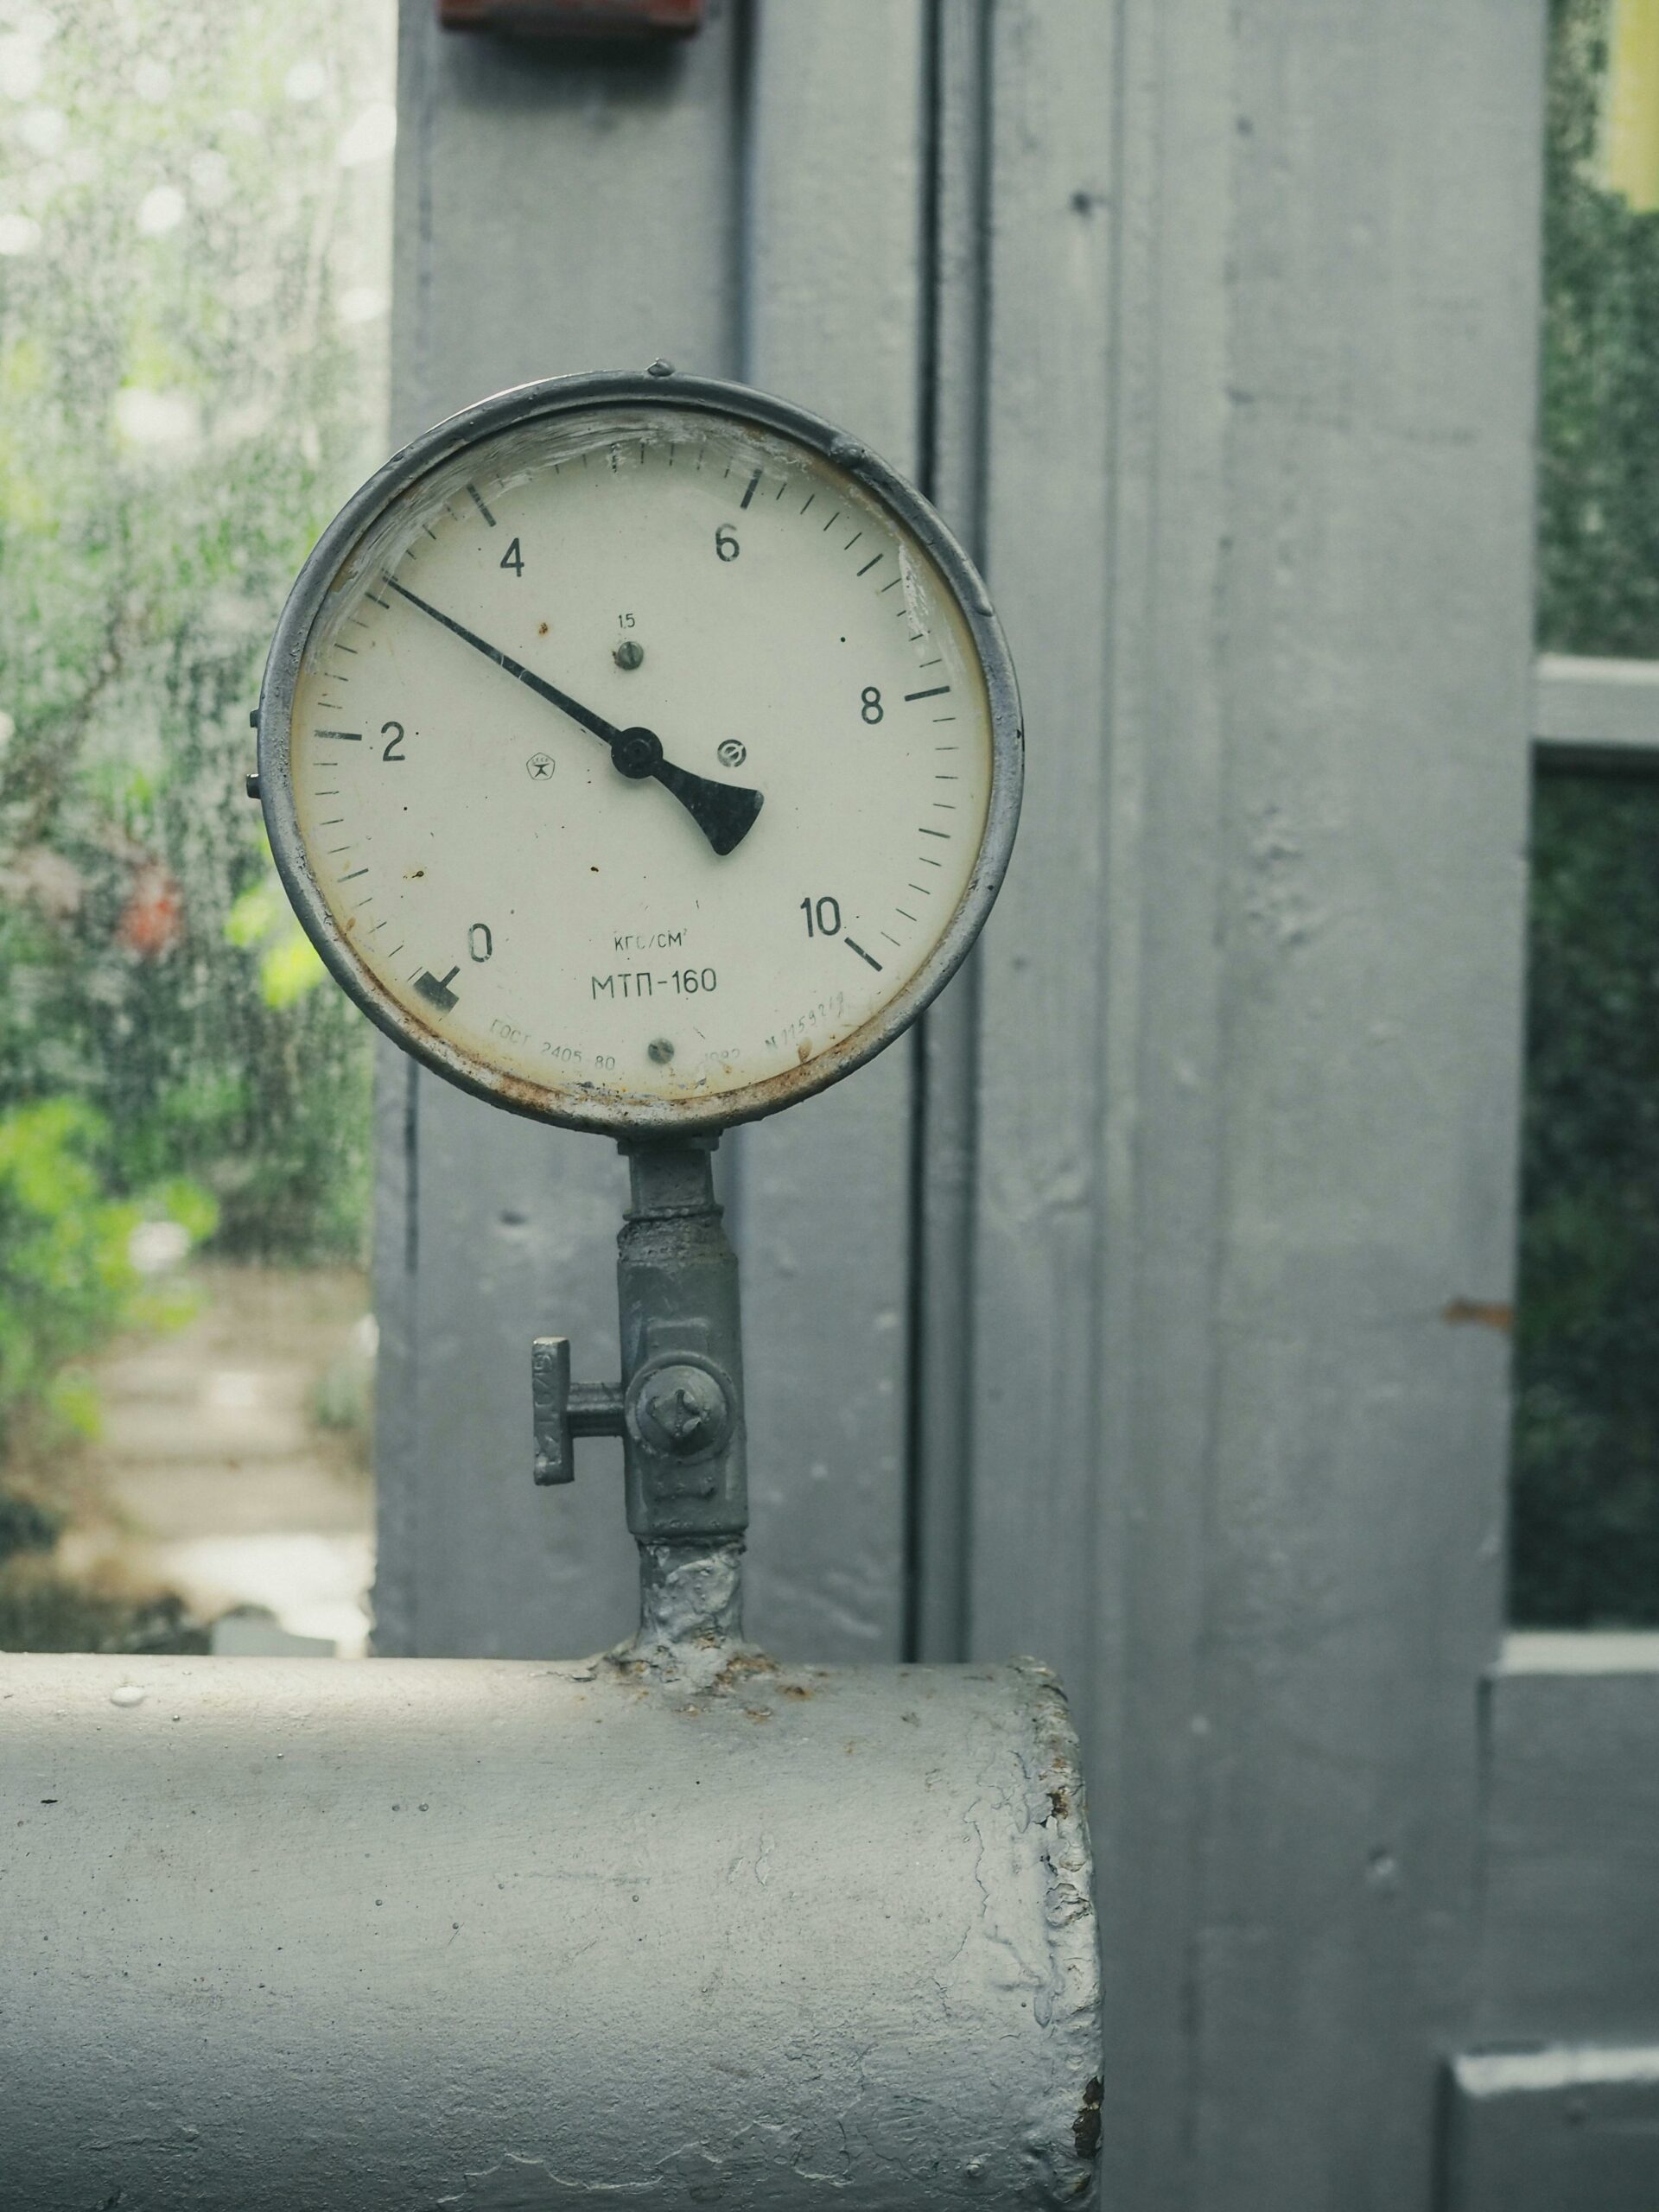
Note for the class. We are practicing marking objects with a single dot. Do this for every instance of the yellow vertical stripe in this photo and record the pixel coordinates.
(1631, 110)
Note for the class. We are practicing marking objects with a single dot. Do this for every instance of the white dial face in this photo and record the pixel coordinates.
(640, 755)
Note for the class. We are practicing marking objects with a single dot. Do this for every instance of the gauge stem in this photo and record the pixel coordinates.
(679, 1408)
(684, 1446)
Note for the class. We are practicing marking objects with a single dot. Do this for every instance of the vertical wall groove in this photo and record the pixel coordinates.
(916, 1364)
(945, 1044)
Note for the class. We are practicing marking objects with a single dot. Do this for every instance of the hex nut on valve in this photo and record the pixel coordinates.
(681, 1410)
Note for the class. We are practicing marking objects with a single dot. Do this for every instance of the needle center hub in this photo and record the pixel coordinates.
(636, 752)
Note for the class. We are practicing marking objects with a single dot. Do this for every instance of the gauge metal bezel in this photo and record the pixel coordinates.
(660, 388)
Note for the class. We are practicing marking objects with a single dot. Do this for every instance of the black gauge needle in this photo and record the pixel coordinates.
(724, 812)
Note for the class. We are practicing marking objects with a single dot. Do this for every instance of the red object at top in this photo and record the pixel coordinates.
(588, 19)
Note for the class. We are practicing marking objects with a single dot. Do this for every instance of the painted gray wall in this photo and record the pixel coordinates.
(1110, 1318)
(1262, 297)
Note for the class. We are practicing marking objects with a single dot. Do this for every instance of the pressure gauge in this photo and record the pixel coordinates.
(639, 752)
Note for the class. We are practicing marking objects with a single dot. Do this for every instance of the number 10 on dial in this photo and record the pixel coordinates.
(639, 752)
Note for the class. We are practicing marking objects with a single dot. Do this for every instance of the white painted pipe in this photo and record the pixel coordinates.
(525, 1938)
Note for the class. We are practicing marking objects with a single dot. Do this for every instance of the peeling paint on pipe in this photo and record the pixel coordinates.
(510, 1937)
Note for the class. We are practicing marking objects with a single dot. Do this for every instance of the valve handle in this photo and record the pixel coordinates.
(562, 1410)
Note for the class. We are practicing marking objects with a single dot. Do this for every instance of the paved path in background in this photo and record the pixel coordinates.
(212, 1474)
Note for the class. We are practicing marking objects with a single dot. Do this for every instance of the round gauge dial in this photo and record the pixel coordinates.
(639, 752)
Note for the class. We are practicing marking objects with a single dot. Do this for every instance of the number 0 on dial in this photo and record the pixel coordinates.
(639, 752)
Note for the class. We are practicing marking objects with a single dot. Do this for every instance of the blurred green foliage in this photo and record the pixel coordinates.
(193, 225)
(69, 1276)
(192, 230)
(1585, 1520)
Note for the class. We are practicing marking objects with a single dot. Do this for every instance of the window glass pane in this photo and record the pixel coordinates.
(194, 273)
(1599, 466)
(1585, 1517)
(1585, 1548)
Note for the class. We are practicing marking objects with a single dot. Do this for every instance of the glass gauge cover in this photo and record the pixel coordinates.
(639, 752)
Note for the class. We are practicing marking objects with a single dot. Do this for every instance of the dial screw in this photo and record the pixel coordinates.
(660, 368)
(660, 1050)
(628, 654)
